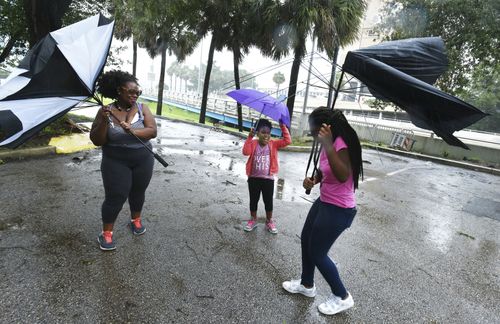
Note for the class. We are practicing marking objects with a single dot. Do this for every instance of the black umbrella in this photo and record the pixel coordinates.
(402, 72)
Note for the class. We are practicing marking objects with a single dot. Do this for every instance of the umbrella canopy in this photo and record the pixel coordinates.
(263, 103)
(56, 74)
(402, 72)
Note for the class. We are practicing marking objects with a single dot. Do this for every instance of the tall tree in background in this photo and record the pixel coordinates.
(44, 16)
(278, 78)
(24, 22)
(241, 36)
(161, 28)
(333, 23)
(469, 28)
(124, 23)
(13, 29)
(227, 22)
(471, 32)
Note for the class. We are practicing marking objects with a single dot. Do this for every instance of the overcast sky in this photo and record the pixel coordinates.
(253, 62)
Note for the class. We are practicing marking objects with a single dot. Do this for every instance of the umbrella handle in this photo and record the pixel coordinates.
(257, 122)
(160, 159)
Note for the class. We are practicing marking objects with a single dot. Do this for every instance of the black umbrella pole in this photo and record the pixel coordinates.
(338, 89)
(314, 158)
(315, 148)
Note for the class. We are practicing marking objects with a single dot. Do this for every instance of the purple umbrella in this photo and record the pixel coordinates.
(263, 103)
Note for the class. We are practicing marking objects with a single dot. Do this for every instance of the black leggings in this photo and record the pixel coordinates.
(255, 187)
(126, 174)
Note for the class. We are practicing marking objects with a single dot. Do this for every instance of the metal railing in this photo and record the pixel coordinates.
(227, 107)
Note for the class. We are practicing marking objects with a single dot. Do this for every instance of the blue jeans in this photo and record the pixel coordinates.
(324, 224)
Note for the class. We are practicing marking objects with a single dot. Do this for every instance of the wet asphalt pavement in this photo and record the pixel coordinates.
(424, 246)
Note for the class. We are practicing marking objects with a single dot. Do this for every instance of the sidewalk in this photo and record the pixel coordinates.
(81, 142)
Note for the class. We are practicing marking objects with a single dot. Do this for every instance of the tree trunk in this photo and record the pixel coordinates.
(204, 99)
(134, 57)
(44, 16)
(332, 76)
(294, 75)
(236, 58)
(162, 80)
(8, 47)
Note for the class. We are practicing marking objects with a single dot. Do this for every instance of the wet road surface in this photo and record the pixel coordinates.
(424, 246)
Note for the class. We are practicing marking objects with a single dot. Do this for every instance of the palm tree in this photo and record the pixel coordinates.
(333, 23)
(278, 78)
(184, 76)
(124, 19)
(225, 20)
(162, 29)
(173, 71)
(240, 37)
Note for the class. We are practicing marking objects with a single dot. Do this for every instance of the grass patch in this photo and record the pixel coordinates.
(176, 113)
(173, 112)
(302, 141)
(62, 126)
(80, 119)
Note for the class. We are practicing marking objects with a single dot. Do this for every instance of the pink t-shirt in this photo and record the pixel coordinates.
(261, 163)
(333, 191)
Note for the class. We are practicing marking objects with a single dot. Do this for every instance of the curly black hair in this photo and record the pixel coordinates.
(263, 123)
(341, 127)
(109, 82)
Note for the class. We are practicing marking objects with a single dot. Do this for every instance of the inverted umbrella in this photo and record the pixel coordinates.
(403, 72)
(263, 103)
(56, 74)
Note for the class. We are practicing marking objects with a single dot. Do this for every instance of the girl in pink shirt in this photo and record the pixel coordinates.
(340, 166)
(261, 167)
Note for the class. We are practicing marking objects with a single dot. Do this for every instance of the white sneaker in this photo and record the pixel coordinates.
(335, 304)
(295, 287)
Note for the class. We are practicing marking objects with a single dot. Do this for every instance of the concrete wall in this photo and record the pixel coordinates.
(427, 145)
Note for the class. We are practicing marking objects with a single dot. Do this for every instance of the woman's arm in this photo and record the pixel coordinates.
(149, 131)
(339, 162)
(99, 130)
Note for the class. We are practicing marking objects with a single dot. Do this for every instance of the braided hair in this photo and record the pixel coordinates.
(109, 82)
(340, 127)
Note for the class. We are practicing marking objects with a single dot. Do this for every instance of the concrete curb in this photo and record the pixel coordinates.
(27, 152)
(300, 149)
(435, 159)
(414, 155)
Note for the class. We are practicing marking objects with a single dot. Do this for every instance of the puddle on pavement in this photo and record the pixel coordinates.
(213, 158)
(287, 191)
(440, 233)
(284, 190)
(11, 223)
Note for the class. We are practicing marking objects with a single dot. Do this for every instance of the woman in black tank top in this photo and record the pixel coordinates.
(126, 166)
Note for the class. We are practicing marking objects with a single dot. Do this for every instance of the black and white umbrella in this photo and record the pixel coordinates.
(56, 74)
